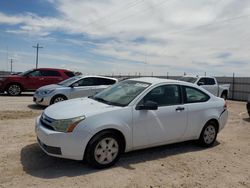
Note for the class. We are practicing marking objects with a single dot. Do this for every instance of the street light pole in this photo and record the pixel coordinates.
(11, 62)
(37, 50)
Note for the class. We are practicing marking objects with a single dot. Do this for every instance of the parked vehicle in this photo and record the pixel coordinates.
(210, 84)
(75, 87)
(132, 114)
(31, 80)
(248, 105)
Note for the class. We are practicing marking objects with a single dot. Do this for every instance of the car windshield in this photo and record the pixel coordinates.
(188, 79)
(69, 81)
(122, 93)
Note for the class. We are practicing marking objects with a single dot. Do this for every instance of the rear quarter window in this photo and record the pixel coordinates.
(69, 74)
(194, 95)
(104, 81)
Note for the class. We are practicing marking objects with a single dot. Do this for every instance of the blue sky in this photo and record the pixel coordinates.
(127, 37)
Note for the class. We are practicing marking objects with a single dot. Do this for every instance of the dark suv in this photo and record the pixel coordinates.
(32, 80)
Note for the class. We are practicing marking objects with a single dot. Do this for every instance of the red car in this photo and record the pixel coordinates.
(33, 79)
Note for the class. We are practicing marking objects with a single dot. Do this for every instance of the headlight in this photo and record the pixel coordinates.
(2, 79)
(45, 92)
(67, 125)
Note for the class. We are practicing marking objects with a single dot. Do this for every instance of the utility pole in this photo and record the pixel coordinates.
(37, 49)
(11, 64)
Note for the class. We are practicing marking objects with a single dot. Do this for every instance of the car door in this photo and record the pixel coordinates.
(34, 80)
(166, 124)
(198, 107)
(83, 88)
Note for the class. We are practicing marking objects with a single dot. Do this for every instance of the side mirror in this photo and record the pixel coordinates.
(201, 83)
(74, 85)
(148, 105)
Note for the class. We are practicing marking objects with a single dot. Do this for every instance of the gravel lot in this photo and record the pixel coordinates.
(23, 164)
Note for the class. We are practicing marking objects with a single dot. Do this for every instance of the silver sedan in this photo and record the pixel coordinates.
(75, 87)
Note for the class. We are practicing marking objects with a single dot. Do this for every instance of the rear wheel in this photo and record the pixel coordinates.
(224, 96)
(104, 150)
(58, 98)
(208, 134)
(14, 89)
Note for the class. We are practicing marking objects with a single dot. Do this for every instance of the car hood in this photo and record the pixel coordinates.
(50, 87)
(77, 107)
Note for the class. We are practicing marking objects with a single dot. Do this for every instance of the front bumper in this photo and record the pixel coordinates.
(41, 100)
(2, 87)
(223, 119)
(63, 145)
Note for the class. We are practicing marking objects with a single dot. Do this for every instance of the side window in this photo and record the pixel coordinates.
(50, 73)
(193, 95)
(210, 81)
(164, 95)
(35, 73)
(202, 81)
(104, 81)
(86, 82)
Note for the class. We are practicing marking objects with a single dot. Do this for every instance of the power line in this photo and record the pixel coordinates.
(132, 5)
(206, 25)
(37, 49)
(136, 13)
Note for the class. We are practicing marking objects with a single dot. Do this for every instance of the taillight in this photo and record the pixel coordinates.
(225, 105)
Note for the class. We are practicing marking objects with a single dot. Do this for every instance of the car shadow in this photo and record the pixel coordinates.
(247, 119)
(36, 107)
(36, 163)
(22, 95)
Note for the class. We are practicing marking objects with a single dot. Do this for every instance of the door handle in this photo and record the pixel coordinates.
(179, 109)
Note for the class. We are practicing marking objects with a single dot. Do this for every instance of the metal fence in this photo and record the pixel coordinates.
(239, 86)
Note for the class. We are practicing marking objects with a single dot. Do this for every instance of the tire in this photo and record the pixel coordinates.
(14, 89)
(208, 134)
(58, 98)
(100, 153)
(224, 96)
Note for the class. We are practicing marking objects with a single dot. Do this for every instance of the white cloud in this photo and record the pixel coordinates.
(177, 33)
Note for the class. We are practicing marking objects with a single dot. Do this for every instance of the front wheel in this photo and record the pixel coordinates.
(208, 135)
(58, 98)
(14, 89)
(104, 150)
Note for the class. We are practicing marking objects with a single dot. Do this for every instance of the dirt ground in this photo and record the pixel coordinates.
(23, 164)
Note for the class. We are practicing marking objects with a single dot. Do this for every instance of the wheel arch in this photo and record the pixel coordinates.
(113, 130)
(56, 95)
(224, 92)
(11, 83)
(216, 123)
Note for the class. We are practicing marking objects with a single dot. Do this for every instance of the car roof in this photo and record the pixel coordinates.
(96, 76)
(192, 76)
(155, 80)
(53, 69)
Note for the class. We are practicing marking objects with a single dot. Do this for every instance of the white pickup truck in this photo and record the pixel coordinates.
(210, 84)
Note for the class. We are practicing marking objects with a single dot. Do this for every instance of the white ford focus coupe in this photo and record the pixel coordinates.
(132, 114)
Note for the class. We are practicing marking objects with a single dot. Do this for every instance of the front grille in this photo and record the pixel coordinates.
(47, 122)
(47, 125)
